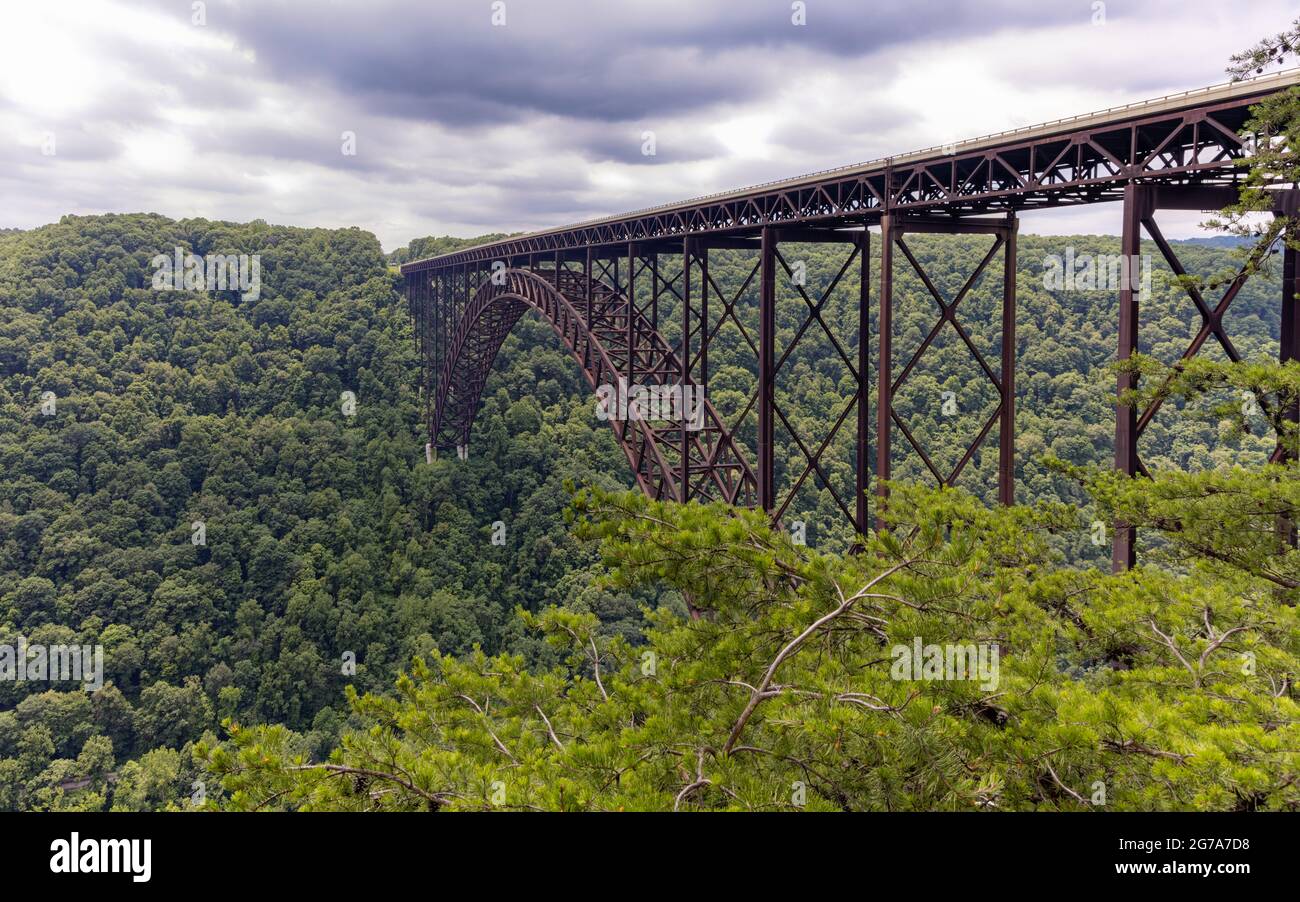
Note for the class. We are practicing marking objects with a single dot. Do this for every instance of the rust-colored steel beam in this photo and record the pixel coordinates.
(1141, 204)
(685, 356)
(1004, 232)
(885, 360)
(1007, 383)
(1189, 139)
(1179, 152)
(811, 462)
(1290, 334)
(715, 465)
(862, 461)
(766, 370)
(630, 291)
(1289, 350)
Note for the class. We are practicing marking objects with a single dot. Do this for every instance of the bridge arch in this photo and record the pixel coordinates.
(672, 460)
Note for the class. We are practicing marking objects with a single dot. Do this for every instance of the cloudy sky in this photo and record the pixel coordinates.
(238, 109)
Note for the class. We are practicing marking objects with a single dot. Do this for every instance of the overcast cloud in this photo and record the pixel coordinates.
(462, 126)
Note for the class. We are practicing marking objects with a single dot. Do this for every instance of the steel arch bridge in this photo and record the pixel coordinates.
(600, 284)
(611, 340)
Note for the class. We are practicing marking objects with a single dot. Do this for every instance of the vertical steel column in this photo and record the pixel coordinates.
(452, 313)
(863, 462)
(421, 285)
(460, 320)
(654, 290)
(433, 325)
(704, 318)
(587, 275)
(436, 326)
(686, 310)
(413, 308)
(1136, 207)
(631, 317)
(1288, 350)
(1290, 337)
(415, 296)
(1007, 424)
(438, 344)
(766, 371)
(884, 358)
(686, 368)
(440, 303)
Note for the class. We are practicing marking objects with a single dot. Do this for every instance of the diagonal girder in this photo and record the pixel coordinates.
(1003, 382)
(716, 468)
(812, 459)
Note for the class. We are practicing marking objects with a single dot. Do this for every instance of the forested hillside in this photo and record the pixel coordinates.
(328, 538)
(326, 534)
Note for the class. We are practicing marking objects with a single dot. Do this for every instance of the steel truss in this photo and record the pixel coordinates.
(613, 289)
(1141, 203)
(1081, 160)
(612, 340)
(810, 453)
(894, 230)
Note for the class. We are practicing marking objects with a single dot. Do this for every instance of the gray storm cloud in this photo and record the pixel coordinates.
(462, 126)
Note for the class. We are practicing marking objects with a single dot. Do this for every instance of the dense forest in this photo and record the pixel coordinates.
(333, 556)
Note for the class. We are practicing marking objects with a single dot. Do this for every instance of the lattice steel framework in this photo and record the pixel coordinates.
(611, 339)
(602, 285)
(895, 229)
(1141, 203)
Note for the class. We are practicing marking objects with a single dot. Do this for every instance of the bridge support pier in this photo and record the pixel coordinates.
(894, 228)
(766, 471)
(684, 348)
(1141, 204)
(1289, 348)
(772, 266)
(699, 324)
(862, 461)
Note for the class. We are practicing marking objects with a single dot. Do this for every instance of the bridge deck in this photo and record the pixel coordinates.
(1185, 138)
